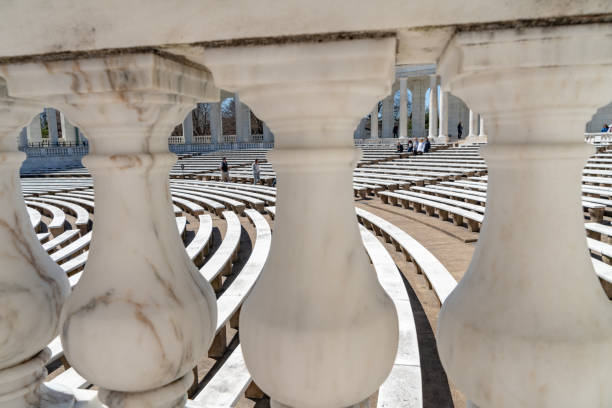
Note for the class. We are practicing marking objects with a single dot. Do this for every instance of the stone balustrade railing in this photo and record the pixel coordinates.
(317, 330)
(598, 137)
(176, 139)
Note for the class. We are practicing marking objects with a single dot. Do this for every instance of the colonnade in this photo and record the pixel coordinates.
(243, 125)
(32, 132)
(528, 325)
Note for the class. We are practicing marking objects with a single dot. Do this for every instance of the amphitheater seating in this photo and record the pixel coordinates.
(81, 214)
(199, 245)
(404, 381)
(58, 218)
(220, 263)
(60, 240)
(35, 218)
(437, 276)
(474, 220)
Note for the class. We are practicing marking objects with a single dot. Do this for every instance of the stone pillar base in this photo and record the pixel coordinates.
(21, 385)
(363, 404)
(172, 395)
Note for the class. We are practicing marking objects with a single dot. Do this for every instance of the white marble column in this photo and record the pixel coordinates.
(529, 324)
(317, 319)
(216, 128)
(69, 132)
(268, 137)
(243, 121)
(23, 137)
(387, 117)
(52, 126)
(32, 287)
(374, 122)
(443, 128)
(141, 315)
(34, 130)
(433, 107)
(473, 127)
(418, 109)
(482, 136)
(188, 129)
(403, 111)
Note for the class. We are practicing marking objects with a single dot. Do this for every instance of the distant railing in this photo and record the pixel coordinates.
(60, 143)
(176, 140)
(378, 141)
(55, 151)
(257, 138)
(201, 139)
(598, 137)
(211, 147)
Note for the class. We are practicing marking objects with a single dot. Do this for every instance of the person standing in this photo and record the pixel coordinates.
(256, 172)
(459, 130)
(427, 146)
(224, 170)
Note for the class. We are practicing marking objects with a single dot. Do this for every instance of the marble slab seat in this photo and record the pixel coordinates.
(247, 199)
(192, 208)
(462, 204)
(58, 218)
(198, 192)
(473, 219)
(35, 218)
(228, 304)
(387, 184)
(602, 248)
(459, 165)
(220, 263)
(43, 237)
(402, 388)
(596, 210)
(599, 231)
(433, 160)
(370, 189)
(70, 197)
(81, 214)
(462, 195)
(437, 276)
(257, 188)
(227, 386)
(61, 240)
(442, 176)
(468, 185)
(598, 172)
(597, 181)
(414, 168)
(380, 178)
(181, 224)
(70, 379)
(265, 198)
(74, 248)
(211, 205)
(75, 264)
(604, 273)
(201, 242)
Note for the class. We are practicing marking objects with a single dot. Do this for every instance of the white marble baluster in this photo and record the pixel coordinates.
(473, 126)
(482, 136)
(433, 107)
(141, 315)
(374, 122)
(317, 330)
(403, 111)
(443, 128)
(529, 324)
(32, 287)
